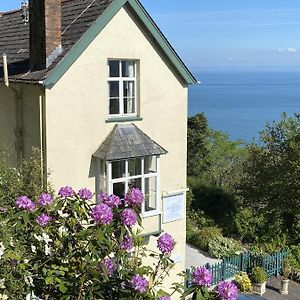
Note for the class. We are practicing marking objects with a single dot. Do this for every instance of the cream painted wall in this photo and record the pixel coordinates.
(7, 122)
(30, 118)
(77, 107)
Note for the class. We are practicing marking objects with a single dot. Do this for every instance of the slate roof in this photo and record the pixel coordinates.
(77, 17)
(127, 141)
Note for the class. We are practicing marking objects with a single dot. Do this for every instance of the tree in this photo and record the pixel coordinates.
(271, 180)
(198, 132)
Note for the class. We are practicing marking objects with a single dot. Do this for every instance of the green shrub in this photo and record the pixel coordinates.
(243, 282)
(258, 275)
(205, 235)
(198, 219)
(25, 179)
(248, 225)
(294, 258)
(221, 247)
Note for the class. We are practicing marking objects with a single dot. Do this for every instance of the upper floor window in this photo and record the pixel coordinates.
(122, 88)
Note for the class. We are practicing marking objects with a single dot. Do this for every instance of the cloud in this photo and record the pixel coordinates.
(288, 50)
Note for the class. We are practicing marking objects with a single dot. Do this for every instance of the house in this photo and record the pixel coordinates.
(96, 86)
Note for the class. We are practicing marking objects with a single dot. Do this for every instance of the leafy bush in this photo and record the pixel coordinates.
(276, 244)
(294, 257)
(221, 247)
(68, 248)
(205, 235)
(248, 225)
(216, 203)
(258, 275)
(25, 179)
(243, 282)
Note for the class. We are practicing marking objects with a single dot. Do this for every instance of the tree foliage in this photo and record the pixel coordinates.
(271, 177)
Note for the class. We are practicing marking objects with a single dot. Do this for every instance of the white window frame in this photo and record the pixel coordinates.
(143, 176)
(121, 80)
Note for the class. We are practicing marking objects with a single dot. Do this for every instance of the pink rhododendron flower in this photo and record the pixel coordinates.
(165, 243)
(202, 276)
(85, 194)
(128, 217)
(102, 213)
(25, 203)
(139, 283)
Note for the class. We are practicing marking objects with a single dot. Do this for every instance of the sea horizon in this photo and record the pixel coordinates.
(242, 100)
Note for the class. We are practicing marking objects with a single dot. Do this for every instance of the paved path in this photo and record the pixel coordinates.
(195, 257)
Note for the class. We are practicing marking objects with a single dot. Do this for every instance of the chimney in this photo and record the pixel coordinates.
(45, 32)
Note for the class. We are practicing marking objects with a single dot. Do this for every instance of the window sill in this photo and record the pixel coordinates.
(154, 233)
(123, 119)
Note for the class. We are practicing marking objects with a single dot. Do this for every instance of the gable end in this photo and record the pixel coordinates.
(98, 26)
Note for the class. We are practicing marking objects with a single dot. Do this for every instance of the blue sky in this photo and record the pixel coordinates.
(227, 33)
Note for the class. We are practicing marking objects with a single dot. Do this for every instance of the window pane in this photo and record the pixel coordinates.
(135, 183)
(150, 194)
(118, 169)
(128, 68)
(114, 107)
(135, 166)
(114, 67)
(128, 89)
(129, 105)
(113, 89)
(150, 164)
(119, 189)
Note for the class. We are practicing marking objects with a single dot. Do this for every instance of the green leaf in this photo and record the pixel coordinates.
(49, 280)
(62, 288)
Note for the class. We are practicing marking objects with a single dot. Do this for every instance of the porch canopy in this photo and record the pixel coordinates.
(127, 141)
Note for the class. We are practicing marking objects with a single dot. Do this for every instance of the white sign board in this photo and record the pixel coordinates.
(173, 208)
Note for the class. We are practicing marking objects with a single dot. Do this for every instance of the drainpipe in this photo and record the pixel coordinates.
(42, 105)
(19, 109)
(19, 124)
(5, 70)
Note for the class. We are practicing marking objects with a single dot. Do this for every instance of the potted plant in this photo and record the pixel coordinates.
(286, 271)
(259, 278)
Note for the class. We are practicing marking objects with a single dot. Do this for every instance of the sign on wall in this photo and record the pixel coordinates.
(173, 208)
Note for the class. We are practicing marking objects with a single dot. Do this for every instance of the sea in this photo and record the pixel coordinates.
(241, 102)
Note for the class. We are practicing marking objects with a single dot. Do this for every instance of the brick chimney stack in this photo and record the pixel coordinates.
(45, 32)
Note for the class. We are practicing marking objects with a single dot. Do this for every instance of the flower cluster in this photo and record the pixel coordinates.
(202, 276)
(165, 243)
(43, 219)
(134, 197)
(227, 290)
(44, 200)
(66, 192)
(85, 194)
(109, 266)
(128, 217)
(25, 203)
(102, 213)
(112, 200)
(139, 283)
(127, 243)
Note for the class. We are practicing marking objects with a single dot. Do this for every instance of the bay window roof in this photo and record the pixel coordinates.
(127, 141)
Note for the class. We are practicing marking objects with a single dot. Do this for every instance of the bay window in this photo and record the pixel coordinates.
(142, 173)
